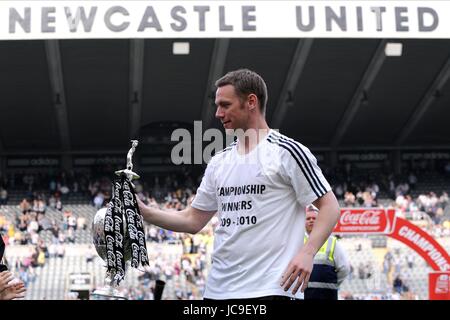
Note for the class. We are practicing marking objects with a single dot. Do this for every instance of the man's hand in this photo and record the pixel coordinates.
(5, 278)
(301, 265)
(14, 291)
(146, 210)
(299, 269)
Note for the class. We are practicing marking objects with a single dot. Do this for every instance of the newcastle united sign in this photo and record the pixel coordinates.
(223, 19)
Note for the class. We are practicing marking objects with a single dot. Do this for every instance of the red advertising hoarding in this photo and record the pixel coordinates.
(439, 285)
(384, 221)
(423, 243)
(365, 220)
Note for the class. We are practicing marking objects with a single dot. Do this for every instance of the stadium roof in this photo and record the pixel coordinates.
(78, 96)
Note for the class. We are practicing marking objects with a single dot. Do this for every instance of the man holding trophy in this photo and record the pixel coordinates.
(259, 186)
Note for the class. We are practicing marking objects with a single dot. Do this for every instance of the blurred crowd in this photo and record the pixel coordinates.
(379, 296)
(56, 188)
(174, 192)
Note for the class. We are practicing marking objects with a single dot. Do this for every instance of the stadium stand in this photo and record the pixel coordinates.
(47, 242)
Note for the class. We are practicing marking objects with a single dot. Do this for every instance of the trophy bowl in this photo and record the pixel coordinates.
(99, 239)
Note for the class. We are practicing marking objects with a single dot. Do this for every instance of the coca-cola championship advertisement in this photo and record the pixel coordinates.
(365, 220)
(439, 285)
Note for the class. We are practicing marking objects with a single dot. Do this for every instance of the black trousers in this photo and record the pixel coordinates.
(320, 294)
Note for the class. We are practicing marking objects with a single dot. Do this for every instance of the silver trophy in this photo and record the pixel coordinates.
(110, 290)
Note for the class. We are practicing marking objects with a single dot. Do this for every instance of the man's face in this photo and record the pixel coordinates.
(310, 219)
(231, 110)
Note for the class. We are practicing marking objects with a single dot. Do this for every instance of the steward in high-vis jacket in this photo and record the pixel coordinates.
(331, 265)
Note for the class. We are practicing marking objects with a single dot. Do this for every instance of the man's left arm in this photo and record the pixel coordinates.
(300, 267)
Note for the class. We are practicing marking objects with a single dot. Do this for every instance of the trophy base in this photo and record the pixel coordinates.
(107, 293)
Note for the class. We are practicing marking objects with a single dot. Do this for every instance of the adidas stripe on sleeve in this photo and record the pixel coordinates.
(300, 167)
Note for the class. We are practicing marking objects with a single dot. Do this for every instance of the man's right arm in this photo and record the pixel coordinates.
(190, 220)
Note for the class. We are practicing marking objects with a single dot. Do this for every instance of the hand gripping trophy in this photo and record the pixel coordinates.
(118, 232)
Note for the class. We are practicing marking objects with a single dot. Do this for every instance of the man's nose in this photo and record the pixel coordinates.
(219, 113)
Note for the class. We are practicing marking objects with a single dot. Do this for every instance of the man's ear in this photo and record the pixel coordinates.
(252, 101)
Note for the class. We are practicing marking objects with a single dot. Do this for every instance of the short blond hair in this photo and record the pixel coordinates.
(312, 207)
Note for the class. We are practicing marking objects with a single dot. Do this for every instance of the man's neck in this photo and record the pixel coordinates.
(256, 131)
(249, 139)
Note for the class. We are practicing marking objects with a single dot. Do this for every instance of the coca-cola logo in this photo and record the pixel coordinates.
(369, 217)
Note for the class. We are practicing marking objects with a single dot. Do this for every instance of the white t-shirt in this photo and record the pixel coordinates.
(260, 199)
